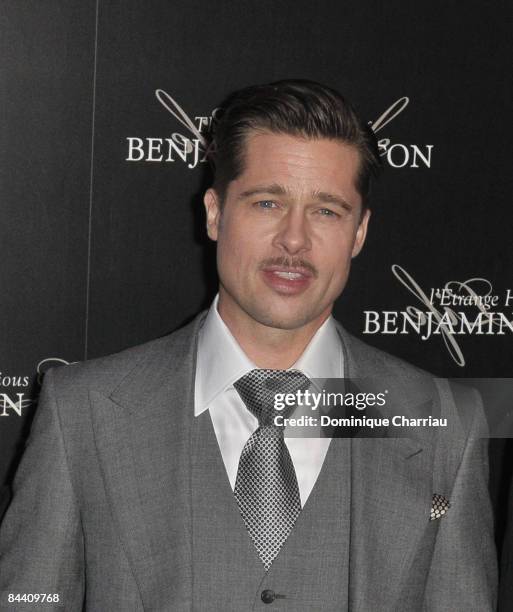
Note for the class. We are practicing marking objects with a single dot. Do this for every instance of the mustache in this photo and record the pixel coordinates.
(289, 262)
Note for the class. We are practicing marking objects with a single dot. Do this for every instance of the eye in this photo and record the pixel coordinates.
(266, 204)
(326, 212)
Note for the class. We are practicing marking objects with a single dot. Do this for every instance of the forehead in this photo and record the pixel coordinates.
(300, 163)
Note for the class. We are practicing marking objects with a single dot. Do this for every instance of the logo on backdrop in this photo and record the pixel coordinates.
(192, 146)
(13, 394)
(14, 390)
(458, 308)
(400, 155)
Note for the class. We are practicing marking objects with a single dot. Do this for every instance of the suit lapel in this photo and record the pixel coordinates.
(391, 487)
(142, 432)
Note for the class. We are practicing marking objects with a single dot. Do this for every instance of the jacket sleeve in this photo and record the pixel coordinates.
(41, 541)
(463, 573)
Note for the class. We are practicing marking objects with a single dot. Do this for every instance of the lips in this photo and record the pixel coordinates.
(287, 281)
(288, 275)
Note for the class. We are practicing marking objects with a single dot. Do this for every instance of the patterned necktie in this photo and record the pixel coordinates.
(266, 487)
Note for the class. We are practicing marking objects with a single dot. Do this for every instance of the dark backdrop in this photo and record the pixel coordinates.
(102, 241)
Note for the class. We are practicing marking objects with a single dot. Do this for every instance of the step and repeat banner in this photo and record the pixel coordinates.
(105, 110)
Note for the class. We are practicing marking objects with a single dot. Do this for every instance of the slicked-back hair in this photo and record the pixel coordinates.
(294, 107)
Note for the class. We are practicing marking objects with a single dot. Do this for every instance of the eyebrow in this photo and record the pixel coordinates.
(280, 190)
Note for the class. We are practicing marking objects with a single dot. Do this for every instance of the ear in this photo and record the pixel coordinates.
(361, 233)
(213, 210)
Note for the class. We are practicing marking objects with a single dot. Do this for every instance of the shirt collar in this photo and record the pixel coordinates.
(221, 361)
(323, 357)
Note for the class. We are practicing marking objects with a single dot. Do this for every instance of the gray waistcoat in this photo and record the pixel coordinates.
(310, 572)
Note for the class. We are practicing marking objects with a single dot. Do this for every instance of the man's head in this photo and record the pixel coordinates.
(288, 204)
(295, 107)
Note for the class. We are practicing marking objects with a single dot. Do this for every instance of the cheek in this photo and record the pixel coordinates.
(235, 249)
(334, 252)
(228, 239)
(243, 239)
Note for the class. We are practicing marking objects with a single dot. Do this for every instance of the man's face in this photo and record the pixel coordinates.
(286, 233)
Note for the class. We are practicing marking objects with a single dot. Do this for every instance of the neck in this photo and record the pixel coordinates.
(270, 347)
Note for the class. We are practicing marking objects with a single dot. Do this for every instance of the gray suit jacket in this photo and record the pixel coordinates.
(101, 511)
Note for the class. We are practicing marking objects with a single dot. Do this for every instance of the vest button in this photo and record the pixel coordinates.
(268, 596)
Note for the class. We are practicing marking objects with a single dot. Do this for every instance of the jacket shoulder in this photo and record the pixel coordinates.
(106, 373)
(377, 362)
(462, 401)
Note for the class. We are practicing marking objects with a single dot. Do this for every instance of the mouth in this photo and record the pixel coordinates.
(287, 281)
(288, 275)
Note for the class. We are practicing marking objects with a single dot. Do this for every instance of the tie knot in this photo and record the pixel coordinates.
(258, 390)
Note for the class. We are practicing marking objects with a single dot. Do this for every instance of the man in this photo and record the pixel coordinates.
(155, 479)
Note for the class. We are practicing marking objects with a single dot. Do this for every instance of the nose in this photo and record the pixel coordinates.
(293, 235)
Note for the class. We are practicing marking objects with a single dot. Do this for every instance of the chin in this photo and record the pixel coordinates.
(281, 320)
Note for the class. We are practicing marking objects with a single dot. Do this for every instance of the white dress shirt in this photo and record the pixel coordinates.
(221, 361)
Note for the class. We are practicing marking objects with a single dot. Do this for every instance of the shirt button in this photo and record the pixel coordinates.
(268, 596)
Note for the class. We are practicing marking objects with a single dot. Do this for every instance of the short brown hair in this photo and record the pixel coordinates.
(295, 107)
